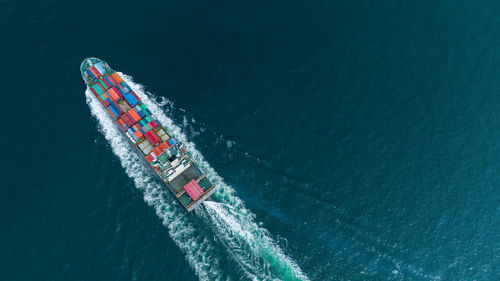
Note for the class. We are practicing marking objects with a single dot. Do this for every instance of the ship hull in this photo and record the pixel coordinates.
(153, 143)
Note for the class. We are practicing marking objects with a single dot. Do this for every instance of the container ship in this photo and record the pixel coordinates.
(165, 155)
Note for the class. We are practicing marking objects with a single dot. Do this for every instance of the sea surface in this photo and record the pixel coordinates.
(349, 140)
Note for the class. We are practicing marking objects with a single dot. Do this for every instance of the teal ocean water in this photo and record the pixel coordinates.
(349, 140)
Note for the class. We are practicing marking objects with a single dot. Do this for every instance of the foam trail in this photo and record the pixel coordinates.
(250, 245)
(198, 249)
(253, 249)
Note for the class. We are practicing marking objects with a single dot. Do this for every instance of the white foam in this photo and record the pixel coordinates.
(199, 251)
(250, 245)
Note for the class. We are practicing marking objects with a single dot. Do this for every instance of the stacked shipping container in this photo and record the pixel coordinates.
(193, 190)
(130, 114)
(170, 161)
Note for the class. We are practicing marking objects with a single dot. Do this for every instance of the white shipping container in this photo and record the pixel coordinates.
(147, 149)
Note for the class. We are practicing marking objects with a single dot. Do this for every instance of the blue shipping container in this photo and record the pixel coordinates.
(114, 108)
(120, 91)
(100, 68)
(109, 81)
(126, 88)
(127, 98)
(112, 113)
(141, 113)
(171, 141)
(91, 74)
(134, 100)
(130, 99)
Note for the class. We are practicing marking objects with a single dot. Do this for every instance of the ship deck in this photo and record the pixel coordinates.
(173, 165)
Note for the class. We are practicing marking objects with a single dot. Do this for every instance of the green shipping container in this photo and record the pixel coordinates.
(103, 84)
(143, 106)
(98, 90)
(148, 119)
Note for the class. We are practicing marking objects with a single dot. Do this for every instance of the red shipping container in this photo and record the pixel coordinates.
(117, 92)
(104, 103)
(167, 144)
(151, 141)
(102, 88)
(154, 137)
(193, 189)
(121, 124)
(153, 124)
(95, 72)
(107, 84)
(128, 119)
(94, 92)
(112, 80)
(149, 158)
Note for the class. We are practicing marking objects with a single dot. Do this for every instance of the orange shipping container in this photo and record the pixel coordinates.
(134, 115)
(138, 134)
(114, 94)
(117, 77)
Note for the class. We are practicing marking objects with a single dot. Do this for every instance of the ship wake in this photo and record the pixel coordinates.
(249, 245)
